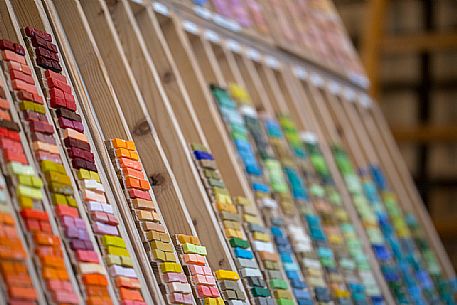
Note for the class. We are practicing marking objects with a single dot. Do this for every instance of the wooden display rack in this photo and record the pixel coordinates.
(222, 63)
(141, 72)
(102, 108)
(293, 92)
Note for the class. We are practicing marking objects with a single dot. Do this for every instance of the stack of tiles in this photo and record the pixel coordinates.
(399, 262)
(310, 263)
(227, 281)
(234, 232)
(411, 236)
(239, 132)
(156, 239)
(16, 285)
(312, 201)
(447, 288)
(274, 172)
(261, 241)
(193, 258)
(70, 127)
(404, 249)
(341, 238)
(238, 124)
(289, 260)
(313, 166)
(49, 257)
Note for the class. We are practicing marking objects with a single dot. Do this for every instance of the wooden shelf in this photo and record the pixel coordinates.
(142, 72)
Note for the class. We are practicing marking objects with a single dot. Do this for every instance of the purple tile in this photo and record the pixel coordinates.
(71, 232)
(83, 234)
(101, 228)
(77, 244)
(79, 223)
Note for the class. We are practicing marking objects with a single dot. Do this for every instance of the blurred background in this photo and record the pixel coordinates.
(409, 49)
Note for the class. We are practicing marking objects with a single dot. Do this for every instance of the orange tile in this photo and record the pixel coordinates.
(44, 239)
(127, 282)
(4, 104)
(134, 155)
(133, 173)
(99, 291)
(132, 182)
(49, 273)
(144, 185)
(22, 293)
(62, 274)
(4, 115)
(118, 143)
(53, 261)
(268, 256)
(127, 163)
(90, 279)
(122, 153)
(130, 145)
(129, 294)
(11, 56)
(7, 219)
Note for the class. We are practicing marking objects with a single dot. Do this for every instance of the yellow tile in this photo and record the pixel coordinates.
(223, 275)
(261, 236)
(242, 201)
(25, 202)
(117, 251)
(83, 174)
(170, 267)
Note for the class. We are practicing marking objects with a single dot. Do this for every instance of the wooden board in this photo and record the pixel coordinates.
(143, 74)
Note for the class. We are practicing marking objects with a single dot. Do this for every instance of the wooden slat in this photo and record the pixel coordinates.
(415, 43)
(371, 40)
(446, 228)
(197, 87)
(135, 115)
(174, 144)
(425, 134)
(169, 75)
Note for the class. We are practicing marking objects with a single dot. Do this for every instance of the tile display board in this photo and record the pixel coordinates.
(201, 152)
